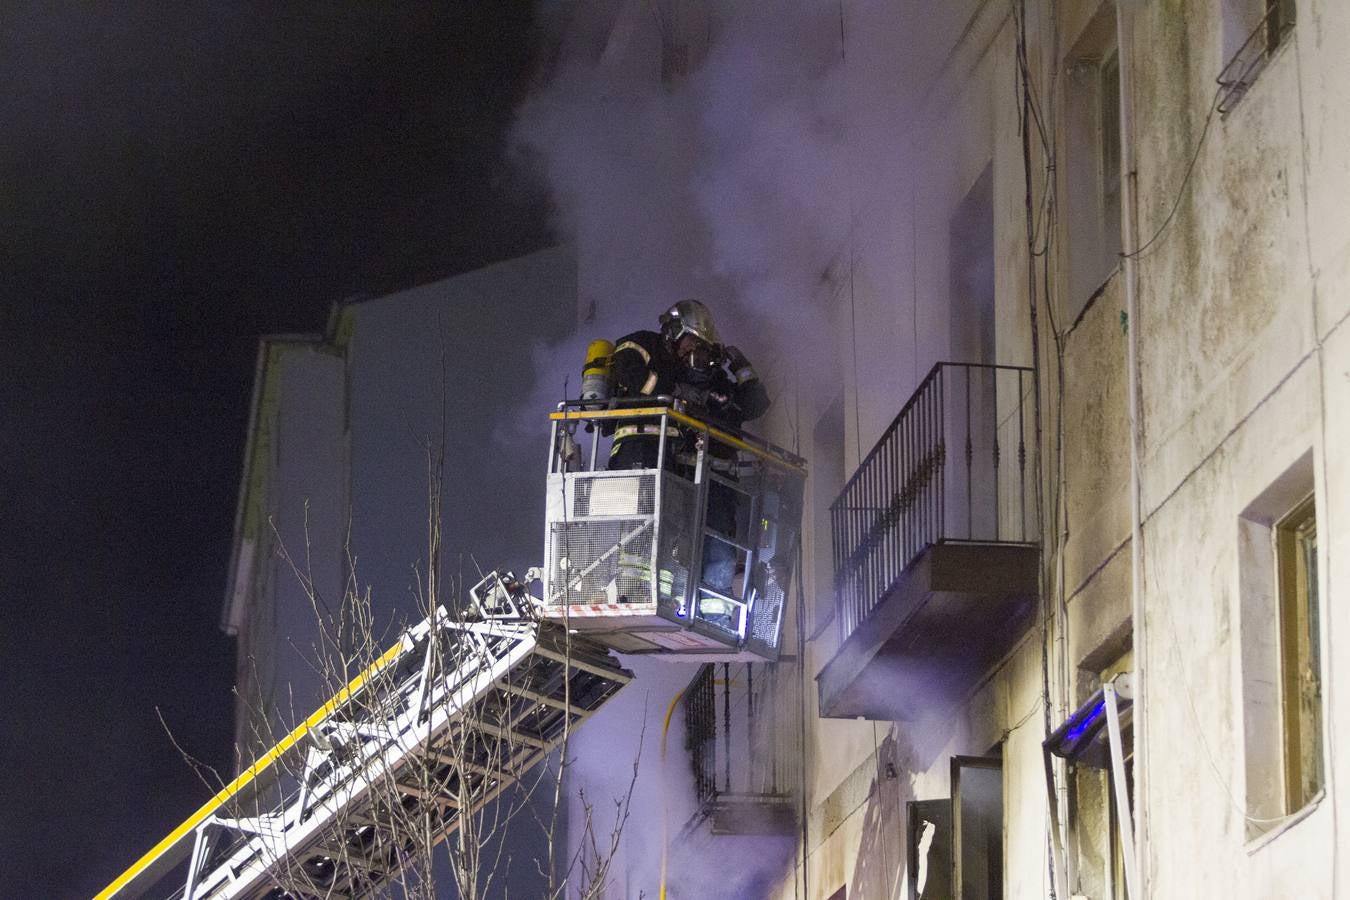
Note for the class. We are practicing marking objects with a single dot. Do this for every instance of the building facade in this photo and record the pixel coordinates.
(1068, 623)
(1078, 470)
(1112, 468)
(347, 429)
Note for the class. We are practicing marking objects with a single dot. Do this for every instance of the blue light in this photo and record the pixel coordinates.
(1076, 731)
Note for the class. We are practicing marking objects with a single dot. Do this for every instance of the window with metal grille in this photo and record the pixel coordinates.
(1252, 31)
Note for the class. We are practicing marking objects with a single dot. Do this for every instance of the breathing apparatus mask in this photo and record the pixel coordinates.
(689, 331)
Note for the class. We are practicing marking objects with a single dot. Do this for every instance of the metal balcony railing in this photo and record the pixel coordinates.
(952, 467)
(1240, 72)
(740, 720)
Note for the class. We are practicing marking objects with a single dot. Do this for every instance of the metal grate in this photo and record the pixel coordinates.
(741, 722)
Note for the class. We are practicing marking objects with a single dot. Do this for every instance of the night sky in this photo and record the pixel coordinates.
(178, 179)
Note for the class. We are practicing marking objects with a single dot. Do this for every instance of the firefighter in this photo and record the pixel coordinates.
(687, 360)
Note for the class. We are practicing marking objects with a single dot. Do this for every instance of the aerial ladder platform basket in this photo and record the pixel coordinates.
(629, 553)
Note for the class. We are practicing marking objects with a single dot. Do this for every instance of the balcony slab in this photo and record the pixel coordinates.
(950, 616)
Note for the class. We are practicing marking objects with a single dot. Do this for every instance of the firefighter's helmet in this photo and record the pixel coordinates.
(689, 317)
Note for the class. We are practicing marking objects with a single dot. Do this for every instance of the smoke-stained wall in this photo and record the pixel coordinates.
(799, 176)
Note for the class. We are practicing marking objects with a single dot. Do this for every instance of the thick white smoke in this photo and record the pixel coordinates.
(747, 153)
(767, 178)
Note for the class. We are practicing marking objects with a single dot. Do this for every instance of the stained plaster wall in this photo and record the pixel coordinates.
(892, 342)
(1236, 318)
(1240, 317)
(1231, 398)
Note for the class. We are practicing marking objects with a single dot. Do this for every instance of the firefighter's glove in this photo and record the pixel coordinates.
(738, 365)
(691, 395)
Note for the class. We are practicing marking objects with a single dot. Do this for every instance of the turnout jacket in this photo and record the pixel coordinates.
(727, 394)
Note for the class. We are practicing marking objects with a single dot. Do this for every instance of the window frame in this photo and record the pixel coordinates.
(1253, 31)
(1295, 547)
(939, 865)
(1267, 665)
(959, 827)
(1090, 224)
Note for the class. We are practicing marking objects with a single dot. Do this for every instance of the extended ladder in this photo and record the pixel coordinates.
(433, 730)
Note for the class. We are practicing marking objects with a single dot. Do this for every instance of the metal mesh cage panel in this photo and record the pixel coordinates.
(601, 562)
(676, 540)
(768, 612)
(600, 538)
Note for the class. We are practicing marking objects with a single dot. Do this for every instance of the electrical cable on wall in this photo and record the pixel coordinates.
(1185, 180)
(1039, 241)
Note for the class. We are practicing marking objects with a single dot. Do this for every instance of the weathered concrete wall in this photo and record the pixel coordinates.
(1234, 390)
(1242, 372)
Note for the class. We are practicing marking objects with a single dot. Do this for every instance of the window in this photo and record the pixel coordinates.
(1108, 90)
(1092, 160)
(1300, 657)
(1281, 657)
(1252, 31)
(977, 828)
(970, 236)
(827, 477)
(1097, 833)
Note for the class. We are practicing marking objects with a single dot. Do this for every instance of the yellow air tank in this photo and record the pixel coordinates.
(595, 374)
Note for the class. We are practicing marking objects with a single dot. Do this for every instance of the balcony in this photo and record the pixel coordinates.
(742, 728)
(935, 547)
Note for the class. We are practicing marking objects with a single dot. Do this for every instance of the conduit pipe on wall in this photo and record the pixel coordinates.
(1137, 880)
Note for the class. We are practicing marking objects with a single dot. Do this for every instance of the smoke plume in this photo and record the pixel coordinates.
(748, 154)
(751, 155)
